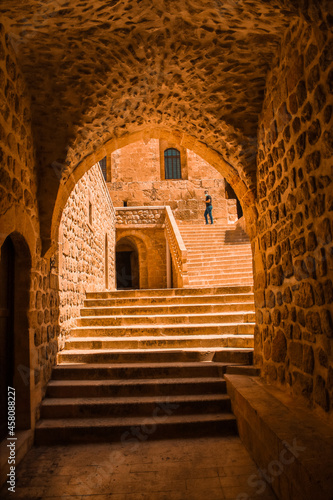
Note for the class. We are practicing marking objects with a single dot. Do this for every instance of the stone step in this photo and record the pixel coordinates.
(170, 292)
(218, 240)
(221, 260)
(163, 330)
(224, 274)
(167, 319)
(132, 406)
(217, 230)
(192, 281)
(161, 426)
(211, 282)
(165, 300)
(168, 309)
(215, 266)
(219, 251)
(228, 236)
(207, 280)
(212, 228)
(134, 387)
(161, 355)
(230, 266)
(218, 246)
(218, 274)
(183, 370)
(154, 342)
(139, 352)
(218, 256)
(244, 279)
(219, 264)
(208, 283)
(217, 226)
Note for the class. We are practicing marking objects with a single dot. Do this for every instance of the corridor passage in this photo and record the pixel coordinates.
(191, 469)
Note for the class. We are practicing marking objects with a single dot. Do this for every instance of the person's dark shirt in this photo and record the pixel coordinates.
(208, 200)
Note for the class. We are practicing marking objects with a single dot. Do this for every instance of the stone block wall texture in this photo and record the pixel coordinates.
(19, 215)
(136, 178)
(82, 255)
(293, 250)
(140, 216)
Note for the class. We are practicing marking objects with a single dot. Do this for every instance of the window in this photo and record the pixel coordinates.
(172, 164)
(102, 164)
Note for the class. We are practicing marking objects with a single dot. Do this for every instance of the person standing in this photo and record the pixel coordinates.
(209, 208)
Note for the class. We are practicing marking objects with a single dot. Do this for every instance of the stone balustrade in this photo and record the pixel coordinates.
(177, 248)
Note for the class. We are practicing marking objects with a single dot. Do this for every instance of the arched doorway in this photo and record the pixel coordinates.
(6, 328)
(127, 265)
(15, 265)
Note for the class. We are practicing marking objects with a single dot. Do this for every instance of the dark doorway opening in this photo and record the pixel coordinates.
(124, 270)
(127, 266)
(15, 277)
(7, 280)
(231, 195)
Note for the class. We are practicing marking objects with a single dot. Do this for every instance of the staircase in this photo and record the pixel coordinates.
(149, 362)
(217, 255)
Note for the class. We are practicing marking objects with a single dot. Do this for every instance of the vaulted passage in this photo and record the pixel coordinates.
(125, 320)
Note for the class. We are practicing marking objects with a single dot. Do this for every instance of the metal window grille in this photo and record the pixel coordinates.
(172, 164)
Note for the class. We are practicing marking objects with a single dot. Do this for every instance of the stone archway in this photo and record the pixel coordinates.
(244, 192)
(138, 246)
(170, 67)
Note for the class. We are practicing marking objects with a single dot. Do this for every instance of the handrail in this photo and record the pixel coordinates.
(177, 248)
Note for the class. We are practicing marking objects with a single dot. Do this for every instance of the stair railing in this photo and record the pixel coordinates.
(177, 249)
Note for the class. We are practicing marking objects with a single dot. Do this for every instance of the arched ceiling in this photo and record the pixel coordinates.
(99, 69)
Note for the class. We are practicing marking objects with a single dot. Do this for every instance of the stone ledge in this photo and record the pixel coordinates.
(290, 443)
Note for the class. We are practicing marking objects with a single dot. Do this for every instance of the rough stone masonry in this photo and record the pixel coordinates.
(249, 83)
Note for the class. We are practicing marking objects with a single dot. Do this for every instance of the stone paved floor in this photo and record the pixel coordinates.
(191, 469)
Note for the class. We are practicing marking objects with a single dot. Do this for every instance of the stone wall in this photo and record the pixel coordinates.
(140, 216)
(294, 252)
(137, 177)
(87, 218)
(19, 219)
